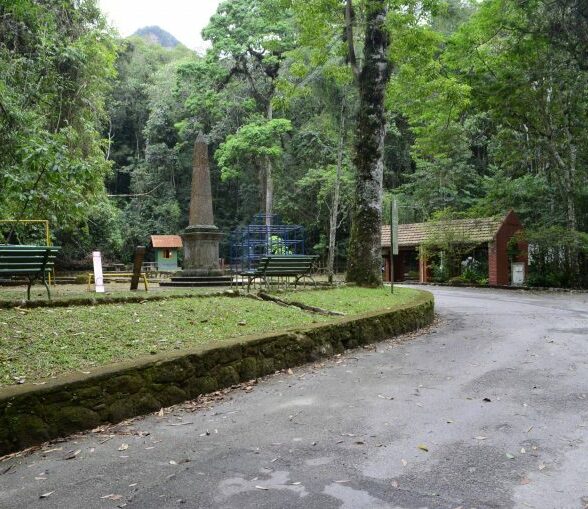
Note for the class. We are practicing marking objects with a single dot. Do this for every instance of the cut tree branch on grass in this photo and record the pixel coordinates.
(306, 307)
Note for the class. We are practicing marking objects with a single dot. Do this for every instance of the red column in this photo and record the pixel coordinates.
(423, 268)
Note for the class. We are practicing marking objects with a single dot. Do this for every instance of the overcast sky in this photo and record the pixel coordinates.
(184, 19)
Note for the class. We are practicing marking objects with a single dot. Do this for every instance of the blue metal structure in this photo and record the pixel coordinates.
(248, 244)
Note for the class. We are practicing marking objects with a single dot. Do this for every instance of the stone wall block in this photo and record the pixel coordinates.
(32, 414)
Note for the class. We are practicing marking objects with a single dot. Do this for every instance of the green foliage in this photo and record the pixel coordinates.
(56, 60)
(253, 144)
(551, 250)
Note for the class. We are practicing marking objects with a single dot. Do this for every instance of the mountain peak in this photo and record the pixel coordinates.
(157, 35)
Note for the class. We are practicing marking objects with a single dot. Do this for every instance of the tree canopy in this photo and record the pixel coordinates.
(319, 111)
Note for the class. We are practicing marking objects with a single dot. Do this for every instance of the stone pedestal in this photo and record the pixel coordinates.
(201, 251)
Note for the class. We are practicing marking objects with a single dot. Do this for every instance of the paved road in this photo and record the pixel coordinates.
(347, 434)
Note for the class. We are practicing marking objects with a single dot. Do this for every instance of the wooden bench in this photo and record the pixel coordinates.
(118, 275)
(34, 262)
(296, 266)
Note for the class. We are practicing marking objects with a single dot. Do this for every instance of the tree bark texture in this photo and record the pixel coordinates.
(364, 258)
(269, 179)
(335, 204)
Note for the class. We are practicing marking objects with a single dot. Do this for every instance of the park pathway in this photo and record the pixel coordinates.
(489, 409)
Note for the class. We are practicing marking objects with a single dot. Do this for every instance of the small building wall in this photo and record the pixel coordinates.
(166, 264)
(498, 256)
(400, 265)
(499, 259)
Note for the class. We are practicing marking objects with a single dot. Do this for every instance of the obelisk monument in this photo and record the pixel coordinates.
(201, 238)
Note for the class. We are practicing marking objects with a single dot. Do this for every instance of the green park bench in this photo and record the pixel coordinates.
(286, 266)
(34, 262)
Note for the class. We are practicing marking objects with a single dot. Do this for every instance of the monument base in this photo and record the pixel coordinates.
(201, 267)
(201, 251)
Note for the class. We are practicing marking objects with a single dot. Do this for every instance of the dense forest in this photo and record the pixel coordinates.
(458, 108)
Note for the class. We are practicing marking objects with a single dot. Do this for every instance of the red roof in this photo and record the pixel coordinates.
(166, 241)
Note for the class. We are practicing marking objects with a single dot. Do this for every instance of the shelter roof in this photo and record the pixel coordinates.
(477, 230)
(166, 241)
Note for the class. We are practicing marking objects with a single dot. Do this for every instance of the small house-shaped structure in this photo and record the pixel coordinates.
(166, 251)
(489, 244)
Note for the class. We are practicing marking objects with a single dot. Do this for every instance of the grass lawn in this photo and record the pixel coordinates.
(43, 342)
(65, 292)
(352, 300)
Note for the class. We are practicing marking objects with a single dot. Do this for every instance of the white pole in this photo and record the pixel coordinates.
(98, 278)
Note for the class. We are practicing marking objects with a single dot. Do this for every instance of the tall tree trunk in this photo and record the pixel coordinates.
(572, 219)
(335, 205)
(269, 180)
(365, 258)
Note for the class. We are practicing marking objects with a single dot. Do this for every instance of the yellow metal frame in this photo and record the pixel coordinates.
(26, 221)
(47, 236)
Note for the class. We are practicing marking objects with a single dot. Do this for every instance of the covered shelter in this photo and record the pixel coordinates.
(491, 243)
(166, 249)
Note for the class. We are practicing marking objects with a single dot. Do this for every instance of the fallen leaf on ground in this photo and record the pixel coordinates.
(509, 456)
(404, 462)
(72, 454)
(423, 447)
(45, 495)
(172, 462)
(52, 450)
(385, 397)
(480, 437)
(112, 496)
(123, 447)
(262, 488)
(542, 466)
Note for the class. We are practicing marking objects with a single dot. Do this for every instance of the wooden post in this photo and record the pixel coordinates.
(393, 239)
(137, 264)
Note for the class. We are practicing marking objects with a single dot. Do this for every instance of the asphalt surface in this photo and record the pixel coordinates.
(404, 426)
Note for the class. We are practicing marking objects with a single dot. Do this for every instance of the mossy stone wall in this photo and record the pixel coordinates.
(31, 414)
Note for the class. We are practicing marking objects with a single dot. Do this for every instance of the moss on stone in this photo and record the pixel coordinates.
(74, 418)
(125, 384)
(28, 430)
(39, 414)
(227, 376)
(201, 385)
(171, 394)
(248, 368)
